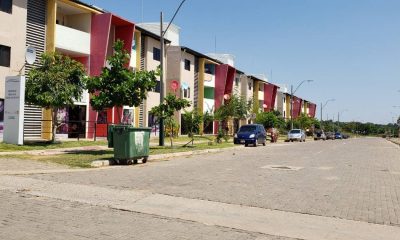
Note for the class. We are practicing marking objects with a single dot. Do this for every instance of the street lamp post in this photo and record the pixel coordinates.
(324, 105)
(162, 33)
(340, 113)
(291, 99)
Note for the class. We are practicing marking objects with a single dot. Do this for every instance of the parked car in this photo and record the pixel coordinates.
(338, 135)
(345, 136)
(253, 134)
(319, 134)
(330, 135)
(296, 135)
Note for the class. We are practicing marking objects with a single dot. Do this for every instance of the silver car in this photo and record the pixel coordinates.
(296, 135)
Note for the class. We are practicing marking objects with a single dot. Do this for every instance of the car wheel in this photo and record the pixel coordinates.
(265, 142)
(255, 143)
(246, 145)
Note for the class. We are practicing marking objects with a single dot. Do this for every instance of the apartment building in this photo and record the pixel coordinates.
(13, 15)
(147, 52)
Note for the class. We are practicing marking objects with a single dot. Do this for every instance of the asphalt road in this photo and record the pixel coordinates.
(338, 189)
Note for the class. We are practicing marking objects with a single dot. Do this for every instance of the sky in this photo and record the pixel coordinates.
(350, 48)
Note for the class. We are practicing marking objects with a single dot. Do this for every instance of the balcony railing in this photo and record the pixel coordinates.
(72, 40)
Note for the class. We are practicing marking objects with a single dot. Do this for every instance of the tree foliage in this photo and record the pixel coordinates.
(167, 109)
(236, 107)
(55, 84)
(118, 86)
(192, 120)
(269, 120)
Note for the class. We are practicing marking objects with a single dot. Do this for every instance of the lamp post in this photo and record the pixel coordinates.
(291, 99)
(324, 105)
(162, 33)
(340, 113)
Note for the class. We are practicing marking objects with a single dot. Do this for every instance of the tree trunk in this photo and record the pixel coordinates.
(54, 124)
(171, 134)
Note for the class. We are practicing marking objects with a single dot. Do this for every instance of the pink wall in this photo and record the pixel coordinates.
(296, 106)
(312, 109)
(270, 96)
(100, 32)
(224, 76)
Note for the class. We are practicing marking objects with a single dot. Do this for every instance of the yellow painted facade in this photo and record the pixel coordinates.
(50, 47)
(200, 95)
(256, 86)
(288, 113)
(79, 6)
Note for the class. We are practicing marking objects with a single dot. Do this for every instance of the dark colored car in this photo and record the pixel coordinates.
(319, 134)
(251, 134)
(330, 135)
(345, 136)
(338, 135)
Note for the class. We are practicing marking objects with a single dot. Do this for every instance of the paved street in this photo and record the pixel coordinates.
(348, 189)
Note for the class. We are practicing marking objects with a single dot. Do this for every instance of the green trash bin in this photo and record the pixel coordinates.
(130, 143)
(110, 132)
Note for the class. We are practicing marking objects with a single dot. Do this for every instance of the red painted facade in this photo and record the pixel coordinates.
(101, 29)
(296, 106)
(270, 91)
(312, 109)
(224, 77)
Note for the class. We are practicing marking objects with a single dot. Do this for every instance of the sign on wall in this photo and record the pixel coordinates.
(14, 110)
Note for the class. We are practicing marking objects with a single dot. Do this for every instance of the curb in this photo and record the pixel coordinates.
(105, 163)
(395, 142)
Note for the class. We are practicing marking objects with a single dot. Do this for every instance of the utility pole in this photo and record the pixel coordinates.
(161, 131)
(291, 99)
(291, 106)
(162, 33)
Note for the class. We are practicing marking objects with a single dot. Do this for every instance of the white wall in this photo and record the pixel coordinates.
(72, 40)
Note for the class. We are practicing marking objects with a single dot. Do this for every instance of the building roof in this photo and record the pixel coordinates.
(198, 54)
(150, 34)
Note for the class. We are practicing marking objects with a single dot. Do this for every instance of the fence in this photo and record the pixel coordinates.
(66, 130)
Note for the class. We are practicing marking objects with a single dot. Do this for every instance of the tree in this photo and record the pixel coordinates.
(118, 86)
(167, 109)
(56, 84)
(269, 120)
(192, 120)
(237, 107)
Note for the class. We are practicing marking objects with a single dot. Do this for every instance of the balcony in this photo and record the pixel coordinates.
(72, 42)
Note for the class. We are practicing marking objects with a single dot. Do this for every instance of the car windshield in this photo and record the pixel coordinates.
(247, 128)
(294, 131)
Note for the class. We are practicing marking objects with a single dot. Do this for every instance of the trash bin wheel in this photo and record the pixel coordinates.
(144, 160)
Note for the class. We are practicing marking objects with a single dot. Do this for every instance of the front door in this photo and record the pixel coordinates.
(77, 121)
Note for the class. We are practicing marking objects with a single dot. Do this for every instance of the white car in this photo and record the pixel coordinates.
(296, 135)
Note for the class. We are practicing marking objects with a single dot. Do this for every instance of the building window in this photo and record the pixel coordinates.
(156, 54)
(6, 6)
(186, 92)
(187, 64)
(158, 87)
(249, 85)
(208, 92)
(284, 99)
(209, 68)
(237, 82)
(5, 55)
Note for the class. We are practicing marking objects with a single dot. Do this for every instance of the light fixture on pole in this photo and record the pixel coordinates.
(291, 99)
(340, 113)
(162, 33)
(324, 105)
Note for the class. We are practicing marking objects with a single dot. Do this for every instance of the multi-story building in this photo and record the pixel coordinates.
(184, 66)
(147, 52)
(86, 34)
(13, 15)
